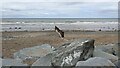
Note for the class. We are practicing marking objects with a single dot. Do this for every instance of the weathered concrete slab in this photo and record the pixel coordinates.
(34, 52)
(69, 55)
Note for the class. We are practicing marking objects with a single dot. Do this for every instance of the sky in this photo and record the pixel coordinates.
(59, 9)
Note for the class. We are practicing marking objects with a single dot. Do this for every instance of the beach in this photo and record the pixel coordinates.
(13, 41)
(20, 34)
(59, 33)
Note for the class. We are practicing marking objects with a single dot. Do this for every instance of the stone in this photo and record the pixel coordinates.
(34, 52)
(0, 62)
(99, 53)
(43, 61)
(117, 64)
(70, 54)
(0, 55)
(10, 63)
(95, 61)
(1, 51)
(109, 48)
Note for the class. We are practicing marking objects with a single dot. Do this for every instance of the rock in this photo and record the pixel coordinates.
(109, 48)
(11, 63)
(0, 51)
(0, 55)
(43, 61)
(119, 50)
(34, 52)
(95, 61)
(0, 62)
(117, 64)
(99, 53)
(70, 54)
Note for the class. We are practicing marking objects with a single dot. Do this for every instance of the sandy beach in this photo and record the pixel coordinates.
(16, 40)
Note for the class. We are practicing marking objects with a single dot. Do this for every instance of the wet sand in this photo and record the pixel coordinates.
(14, 41)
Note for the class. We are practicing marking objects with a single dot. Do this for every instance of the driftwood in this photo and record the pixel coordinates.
(60, 32)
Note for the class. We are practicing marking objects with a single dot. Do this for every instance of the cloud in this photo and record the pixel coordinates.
(61, 9)
(60, 0)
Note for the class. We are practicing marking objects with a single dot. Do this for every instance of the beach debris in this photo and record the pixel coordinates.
(7, 37)
(99, 30)
(43, 28)
(74, 52)
(10, 28)
(15, 27)
(95, 61)
(19, 28)
(34, 52)
(12, 62)
(60, 32)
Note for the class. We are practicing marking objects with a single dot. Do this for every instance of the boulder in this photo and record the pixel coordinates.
(109, 48)
(1, 50)
(43, 61)
(0, 62)
(119, 50)
(0, 55)
(117, 64)
(102, 54)
(11, 63)
(34, 52)
(95, 61)
(69, 54)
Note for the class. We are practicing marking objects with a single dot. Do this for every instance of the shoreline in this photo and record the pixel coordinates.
(82, 26)
(64, 31)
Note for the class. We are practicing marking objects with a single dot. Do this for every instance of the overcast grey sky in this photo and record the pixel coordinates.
(60, 9)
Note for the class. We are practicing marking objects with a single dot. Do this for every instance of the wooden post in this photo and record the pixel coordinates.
(60, 32)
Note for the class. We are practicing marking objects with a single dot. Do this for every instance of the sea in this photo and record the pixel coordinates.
(43, 24)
